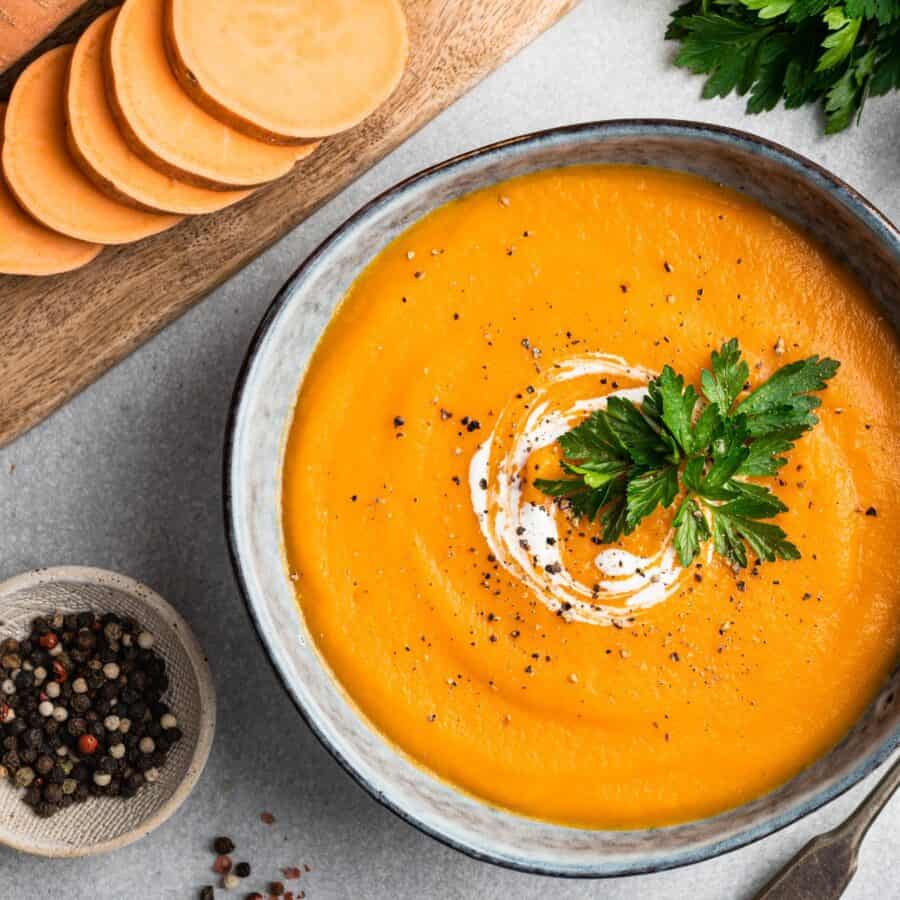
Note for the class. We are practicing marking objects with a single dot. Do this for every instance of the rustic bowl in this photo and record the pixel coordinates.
(795, 188)
(108, 823)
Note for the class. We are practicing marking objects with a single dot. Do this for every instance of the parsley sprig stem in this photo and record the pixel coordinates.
(625, 460)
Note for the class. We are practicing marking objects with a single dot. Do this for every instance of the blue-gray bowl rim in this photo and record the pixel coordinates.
(862, 208)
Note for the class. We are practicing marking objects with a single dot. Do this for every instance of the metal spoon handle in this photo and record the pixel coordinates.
(823, 868)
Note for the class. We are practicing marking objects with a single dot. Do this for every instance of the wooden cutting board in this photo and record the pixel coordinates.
(59, 334)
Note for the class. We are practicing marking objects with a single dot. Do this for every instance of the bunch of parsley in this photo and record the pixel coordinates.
(801, 51)
(628, 459)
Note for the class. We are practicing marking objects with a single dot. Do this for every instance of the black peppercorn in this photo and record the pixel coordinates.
(242, 869)
(81, 703)
(33, 737)
(77, 727)
(28, 756)
(223, 846)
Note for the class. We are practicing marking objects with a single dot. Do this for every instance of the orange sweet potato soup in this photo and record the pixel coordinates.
(495, 638)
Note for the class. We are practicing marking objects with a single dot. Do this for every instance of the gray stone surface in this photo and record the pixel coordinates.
(127, 476)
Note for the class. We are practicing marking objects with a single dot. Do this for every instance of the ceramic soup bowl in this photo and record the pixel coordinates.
(795, 188)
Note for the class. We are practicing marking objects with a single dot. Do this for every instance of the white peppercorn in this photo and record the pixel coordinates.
(52, 690)
(101, 779)
(40, 674)
(117, 751)
(45, 708)
(60, 713)
(145, 640)
(8, 687)
(111, 670)
(151, 776)
(112, 723)
(147, 745)
(80, 686)
(168, 721)
(125, 725)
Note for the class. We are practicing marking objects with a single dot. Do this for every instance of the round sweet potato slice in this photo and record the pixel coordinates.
(162, 123)
(27, 247)
(42, 174)
(104, 155)
(287, 71)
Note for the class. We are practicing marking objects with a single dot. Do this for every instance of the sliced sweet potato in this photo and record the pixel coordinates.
(43, 176)
(103, 154)
(285, 71)
(27, 247)
(164, 126)
(25, 23)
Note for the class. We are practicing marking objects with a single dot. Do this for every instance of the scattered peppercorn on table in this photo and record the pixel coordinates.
(128, 476)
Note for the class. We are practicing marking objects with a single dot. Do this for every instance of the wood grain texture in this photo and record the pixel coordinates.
(59, 334)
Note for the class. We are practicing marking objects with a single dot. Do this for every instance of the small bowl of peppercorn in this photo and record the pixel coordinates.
(107, 711)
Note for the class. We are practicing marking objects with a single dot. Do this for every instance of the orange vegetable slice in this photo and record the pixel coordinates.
(42, 174)
(104, 155)
(27, 247)
(164, 126)
(25, 23)
(288, 71)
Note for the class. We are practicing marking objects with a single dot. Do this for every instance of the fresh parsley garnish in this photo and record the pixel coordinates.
(799, 51)
(626, 460)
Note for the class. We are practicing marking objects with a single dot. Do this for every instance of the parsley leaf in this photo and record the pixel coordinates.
(728, 376)
(656, 487)
(764, 456)
(678, 404)
(798, 51)
(691, 531)
(768, 541)
(636, 434)
(625, 461)
(786, 399)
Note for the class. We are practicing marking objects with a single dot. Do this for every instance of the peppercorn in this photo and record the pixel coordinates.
(223, 846)
(207, 892)
(242, 869)
(222, 864)
(276, 889)
(102, 700)
(48, 641)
